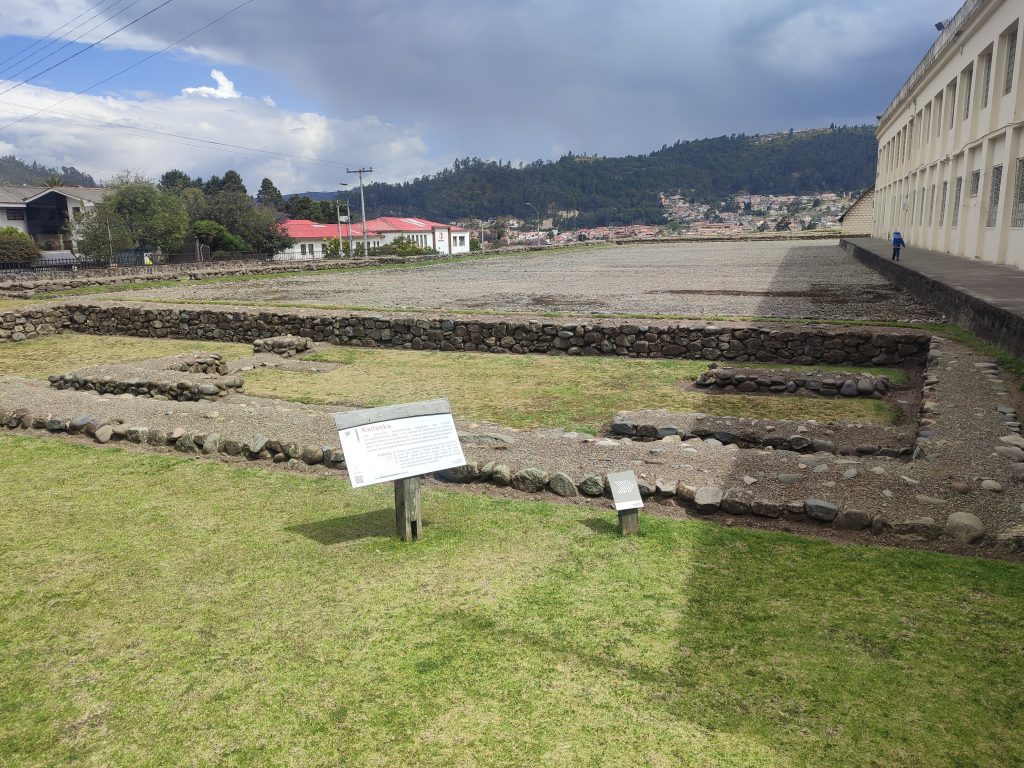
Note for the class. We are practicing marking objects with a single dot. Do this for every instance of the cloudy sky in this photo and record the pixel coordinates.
(406, 86)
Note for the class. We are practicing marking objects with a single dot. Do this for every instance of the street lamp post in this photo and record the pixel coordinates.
(539, 223)
(348, 219)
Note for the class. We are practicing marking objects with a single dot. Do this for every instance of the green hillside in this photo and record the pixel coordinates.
(625, 189)
(17, 173)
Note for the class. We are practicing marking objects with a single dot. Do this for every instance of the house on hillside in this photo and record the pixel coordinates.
(44, 212)
(309, 236)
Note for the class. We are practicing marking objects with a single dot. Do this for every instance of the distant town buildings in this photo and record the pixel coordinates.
(951, 144)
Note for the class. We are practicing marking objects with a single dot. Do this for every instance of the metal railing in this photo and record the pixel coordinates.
(949, 33)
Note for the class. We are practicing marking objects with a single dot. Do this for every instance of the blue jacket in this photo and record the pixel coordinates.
(897, 240)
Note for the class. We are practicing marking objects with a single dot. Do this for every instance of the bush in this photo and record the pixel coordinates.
(16, 247)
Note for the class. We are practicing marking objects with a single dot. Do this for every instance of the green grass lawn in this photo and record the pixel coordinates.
(38, 358)
(161, 611)
(576, 393)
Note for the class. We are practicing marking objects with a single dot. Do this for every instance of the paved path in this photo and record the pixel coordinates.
(997, 286)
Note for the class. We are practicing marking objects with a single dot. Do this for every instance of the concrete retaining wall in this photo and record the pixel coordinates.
(987, 321)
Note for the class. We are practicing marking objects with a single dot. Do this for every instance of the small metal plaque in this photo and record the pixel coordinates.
(625, 491)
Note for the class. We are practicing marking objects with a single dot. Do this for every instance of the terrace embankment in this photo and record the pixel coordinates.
(735, 342)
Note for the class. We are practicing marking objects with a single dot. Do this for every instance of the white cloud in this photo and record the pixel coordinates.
(73, 135)
(225, 88)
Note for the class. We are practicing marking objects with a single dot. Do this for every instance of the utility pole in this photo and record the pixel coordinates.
(362, 203)
(348, 220)
(110, 241)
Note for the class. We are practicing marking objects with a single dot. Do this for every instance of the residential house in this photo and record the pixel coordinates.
(44, 212)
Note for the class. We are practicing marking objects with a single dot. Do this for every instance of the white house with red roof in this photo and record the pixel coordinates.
(308, 236)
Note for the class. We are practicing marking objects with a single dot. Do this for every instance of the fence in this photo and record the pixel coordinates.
(49, 264)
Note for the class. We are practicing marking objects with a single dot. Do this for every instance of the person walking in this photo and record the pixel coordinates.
(897, 243)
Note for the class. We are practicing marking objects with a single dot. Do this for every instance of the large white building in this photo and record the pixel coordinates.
(308, 236)
(950, 171)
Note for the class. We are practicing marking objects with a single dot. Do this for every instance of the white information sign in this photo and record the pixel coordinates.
(385, 444)
(625, 491)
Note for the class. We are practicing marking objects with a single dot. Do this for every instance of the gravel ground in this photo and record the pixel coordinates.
(777, 279)
(966, 431)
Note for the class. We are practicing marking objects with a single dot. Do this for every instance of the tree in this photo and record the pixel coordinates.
(16, 247)
(332, 248)
(232, 182)
(177, 181)
(217, 237)
(256, 225)
(138, 213)
(53, 180)
(474, 244)
(270, 196)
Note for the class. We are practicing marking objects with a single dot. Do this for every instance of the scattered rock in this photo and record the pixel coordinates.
(992, 486)
(1011, 452)
(852, 520)
(789, 479)
(502, 475)
(467, 473)
(924, 528)
(929, 500)
(562, 485)
(707, 498)
(530, 480)
(965, 528)
(592, 486)
(817, 509)
(666, 487)
(103, 434)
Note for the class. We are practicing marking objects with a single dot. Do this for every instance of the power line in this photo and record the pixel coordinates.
(69, 42)
(143, 60)
(34, 43)
(88, 47)
(185, 141)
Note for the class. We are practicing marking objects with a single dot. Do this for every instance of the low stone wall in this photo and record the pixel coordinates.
(791, 382)
(987, 321)
(286, 346)
(754, 435)
(256, 448)
(212, 363)
(795, 345)
(32, 323)
(29, 284)
(161, 389)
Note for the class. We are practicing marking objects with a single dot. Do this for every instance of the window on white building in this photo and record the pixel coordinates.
(931, 206)
(958, 188)
(968, 84)
(952, 104)
(15, 214)
(1011, 60)
(302, 249)
(942, 203)
(1017, 213)
(993, 195)
(986, 77)
(975, 183)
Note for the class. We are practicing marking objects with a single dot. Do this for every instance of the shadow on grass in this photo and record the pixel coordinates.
(601, 525)
(375, 524)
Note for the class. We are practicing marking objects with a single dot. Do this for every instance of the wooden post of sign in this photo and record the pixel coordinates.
(629, 522)
(407, 509)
